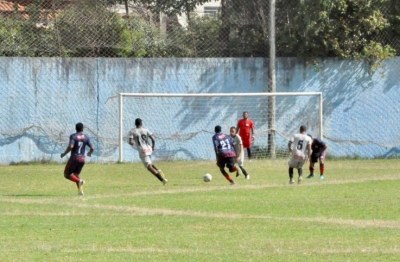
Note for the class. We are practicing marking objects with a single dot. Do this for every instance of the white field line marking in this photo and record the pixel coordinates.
(166, 190)
(168, 212)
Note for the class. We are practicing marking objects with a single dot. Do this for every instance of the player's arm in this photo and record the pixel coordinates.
(131, 141)
(239, 156)
(290, 146)
(89, 154)
(153, 141)
(67, 150)
(309, 152)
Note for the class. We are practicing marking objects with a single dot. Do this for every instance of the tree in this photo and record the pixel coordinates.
(325, 28)
(87, 30)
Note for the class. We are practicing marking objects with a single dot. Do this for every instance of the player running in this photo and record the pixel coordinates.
(300, 152)
(77, 144)
(140, 136)
(224, 152)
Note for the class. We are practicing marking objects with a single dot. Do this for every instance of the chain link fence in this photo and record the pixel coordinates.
(48, 45)
(367, 29)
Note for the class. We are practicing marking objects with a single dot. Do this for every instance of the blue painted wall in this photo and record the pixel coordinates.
(43, 98)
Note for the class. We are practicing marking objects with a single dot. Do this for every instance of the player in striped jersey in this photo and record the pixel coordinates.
(224, 152)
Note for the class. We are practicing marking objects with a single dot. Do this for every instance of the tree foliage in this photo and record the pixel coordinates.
(92, 36)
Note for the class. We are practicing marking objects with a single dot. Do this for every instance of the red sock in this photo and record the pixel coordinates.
(311, 170)
(74, 178)
(227, 177)
(321, 169)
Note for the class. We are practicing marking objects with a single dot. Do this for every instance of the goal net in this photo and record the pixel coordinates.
(183, 124)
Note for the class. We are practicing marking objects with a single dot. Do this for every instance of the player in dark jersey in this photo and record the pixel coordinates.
(318, 148)
(225, 153)
(77, 144)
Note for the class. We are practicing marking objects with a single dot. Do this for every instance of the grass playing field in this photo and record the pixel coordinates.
(127, 215)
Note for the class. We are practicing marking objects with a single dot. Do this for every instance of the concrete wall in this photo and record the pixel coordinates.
(42, 99)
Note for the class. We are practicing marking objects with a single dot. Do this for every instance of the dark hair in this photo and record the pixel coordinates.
(79, 127)
(217, 129)
(232, 127)
(138, 122)
(303, 129)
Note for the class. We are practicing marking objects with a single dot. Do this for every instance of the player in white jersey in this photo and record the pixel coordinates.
(300, 152)
(140, 136)
(238, 146)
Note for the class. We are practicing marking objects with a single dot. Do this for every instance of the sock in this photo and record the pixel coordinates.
(226, 175)
(290, 173)
(311, 170)
(159, 177)
(244, 171)
(300, 171)
(74, 178)
(321, 169)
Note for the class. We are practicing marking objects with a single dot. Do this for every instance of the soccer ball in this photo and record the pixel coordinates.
(207, 177)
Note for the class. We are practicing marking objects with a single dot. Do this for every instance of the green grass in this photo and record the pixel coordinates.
(127, 215)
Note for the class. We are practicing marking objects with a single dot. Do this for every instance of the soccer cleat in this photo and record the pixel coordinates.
(247, 177)
(161, 173)
(321, 177)
(299, 181)
(310, 176)
(233, 183)
(80, 187)
(291, 181)
(165, 181)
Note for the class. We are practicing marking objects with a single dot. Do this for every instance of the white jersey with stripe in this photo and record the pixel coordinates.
(300, 142)
(141, 137)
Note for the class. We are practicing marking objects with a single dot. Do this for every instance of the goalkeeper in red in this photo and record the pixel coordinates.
(244, 126)
(224, 152)
(318, 148)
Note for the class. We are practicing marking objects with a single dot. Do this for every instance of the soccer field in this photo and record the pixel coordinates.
(128, 215)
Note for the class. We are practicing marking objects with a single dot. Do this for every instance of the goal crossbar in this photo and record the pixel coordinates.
(274, 94)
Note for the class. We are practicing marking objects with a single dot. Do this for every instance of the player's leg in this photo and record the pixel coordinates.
(241, 162)
(313, 160)
(229, 162)
(300, 170)
(322, 165)
(146, 160)
(69, 171)
(291, 164)
(249, 152)
(77, 172)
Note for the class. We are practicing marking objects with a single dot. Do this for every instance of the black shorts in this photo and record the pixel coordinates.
(229, 162)
(74, 166)
(314, 157)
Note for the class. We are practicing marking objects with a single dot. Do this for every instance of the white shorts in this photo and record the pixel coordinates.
(297, 163)
(241, 160)
(146, 160)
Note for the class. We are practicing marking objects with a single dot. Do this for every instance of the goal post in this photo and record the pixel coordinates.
(184, 123)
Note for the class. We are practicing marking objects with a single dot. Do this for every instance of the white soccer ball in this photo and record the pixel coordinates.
(207, 177)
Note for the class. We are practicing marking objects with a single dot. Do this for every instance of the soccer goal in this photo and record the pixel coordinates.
(183, 124)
